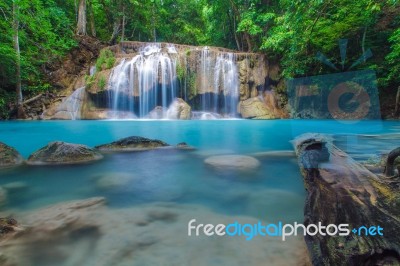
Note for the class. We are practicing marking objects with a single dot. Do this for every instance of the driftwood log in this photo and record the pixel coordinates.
(342, 191)
(389, 169)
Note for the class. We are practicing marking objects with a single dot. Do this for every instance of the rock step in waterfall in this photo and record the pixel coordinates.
(166, 81)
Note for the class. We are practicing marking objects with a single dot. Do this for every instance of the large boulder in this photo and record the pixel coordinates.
(179, 109)
(255, 107)
(232, 162)
(63, 153)
(9, 156)
(133, 143)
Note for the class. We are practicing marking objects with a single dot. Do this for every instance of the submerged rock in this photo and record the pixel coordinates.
(233, 162)
(9, 156)
(63, 153)
(184, 146)
(114, 180)
(179, 109)
(88, 233)
(133, 143)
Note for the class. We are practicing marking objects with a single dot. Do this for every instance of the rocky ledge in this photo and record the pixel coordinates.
(133, 143)
(342, 191)
(63, 153)
(9, 156)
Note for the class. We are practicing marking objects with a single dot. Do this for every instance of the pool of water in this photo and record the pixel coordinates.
(273, 192)
(175, 175)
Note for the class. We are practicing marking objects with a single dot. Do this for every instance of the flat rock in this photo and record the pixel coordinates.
(9, 156)
(133, 143)
(232, 162)
(63, 153)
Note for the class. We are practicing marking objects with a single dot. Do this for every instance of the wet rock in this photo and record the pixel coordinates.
(9, 156)
(232, 162)
(133, 143)
(63, 153)
(179, 109)
(184, 146)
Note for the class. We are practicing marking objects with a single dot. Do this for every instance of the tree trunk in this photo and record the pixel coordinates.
(81, 28)
(389, 170)
(115, 33)
(91, 15)
(20, 108)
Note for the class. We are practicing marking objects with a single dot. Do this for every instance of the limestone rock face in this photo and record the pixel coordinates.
(232, 162)
(179, 109)
(253, 107)
(63, 153)
(133, 143)
(9, 156)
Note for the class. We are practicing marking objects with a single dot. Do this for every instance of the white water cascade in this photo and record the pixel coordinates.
(219, 83)
(147, 80)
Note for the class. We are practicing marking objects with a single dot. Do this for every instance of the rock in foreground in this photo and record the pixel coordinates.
(9, 156)
(63, 153)
(232, 162)
(133, 143)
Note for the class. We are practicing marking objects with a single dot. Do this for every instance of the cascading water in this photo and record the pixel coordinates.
(226, 79)
(145, 85)
(144, 82)
(219, 83)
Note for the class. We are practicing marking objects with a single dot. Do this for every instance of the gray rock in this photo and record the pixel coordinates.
(133, 143)
(63, 153)
(9, 156)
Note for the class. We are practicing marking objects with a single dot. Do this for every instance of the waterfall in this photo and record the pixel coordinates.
(226, 79)
(145, 85)
(147, 80)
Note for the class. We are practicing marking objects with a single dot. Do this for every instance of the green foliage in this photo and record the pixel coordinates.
(89, 81)
(105, 61)
(102, 83)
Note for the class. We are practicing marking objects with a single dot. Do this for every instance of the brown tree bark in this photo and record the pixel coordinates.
(91, 17)
(81, 27)
(389, 170)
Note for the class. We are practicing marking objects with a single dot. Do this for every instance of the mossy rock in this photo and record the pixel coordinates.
(133, 143)
(63, 153)
(9, 156)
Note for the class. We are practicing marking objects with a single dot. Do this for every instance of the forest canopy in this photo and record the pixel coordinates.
(289, 32)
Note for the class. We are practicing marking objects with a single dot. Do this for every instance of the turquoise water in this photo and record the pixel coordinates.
(273, 192)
